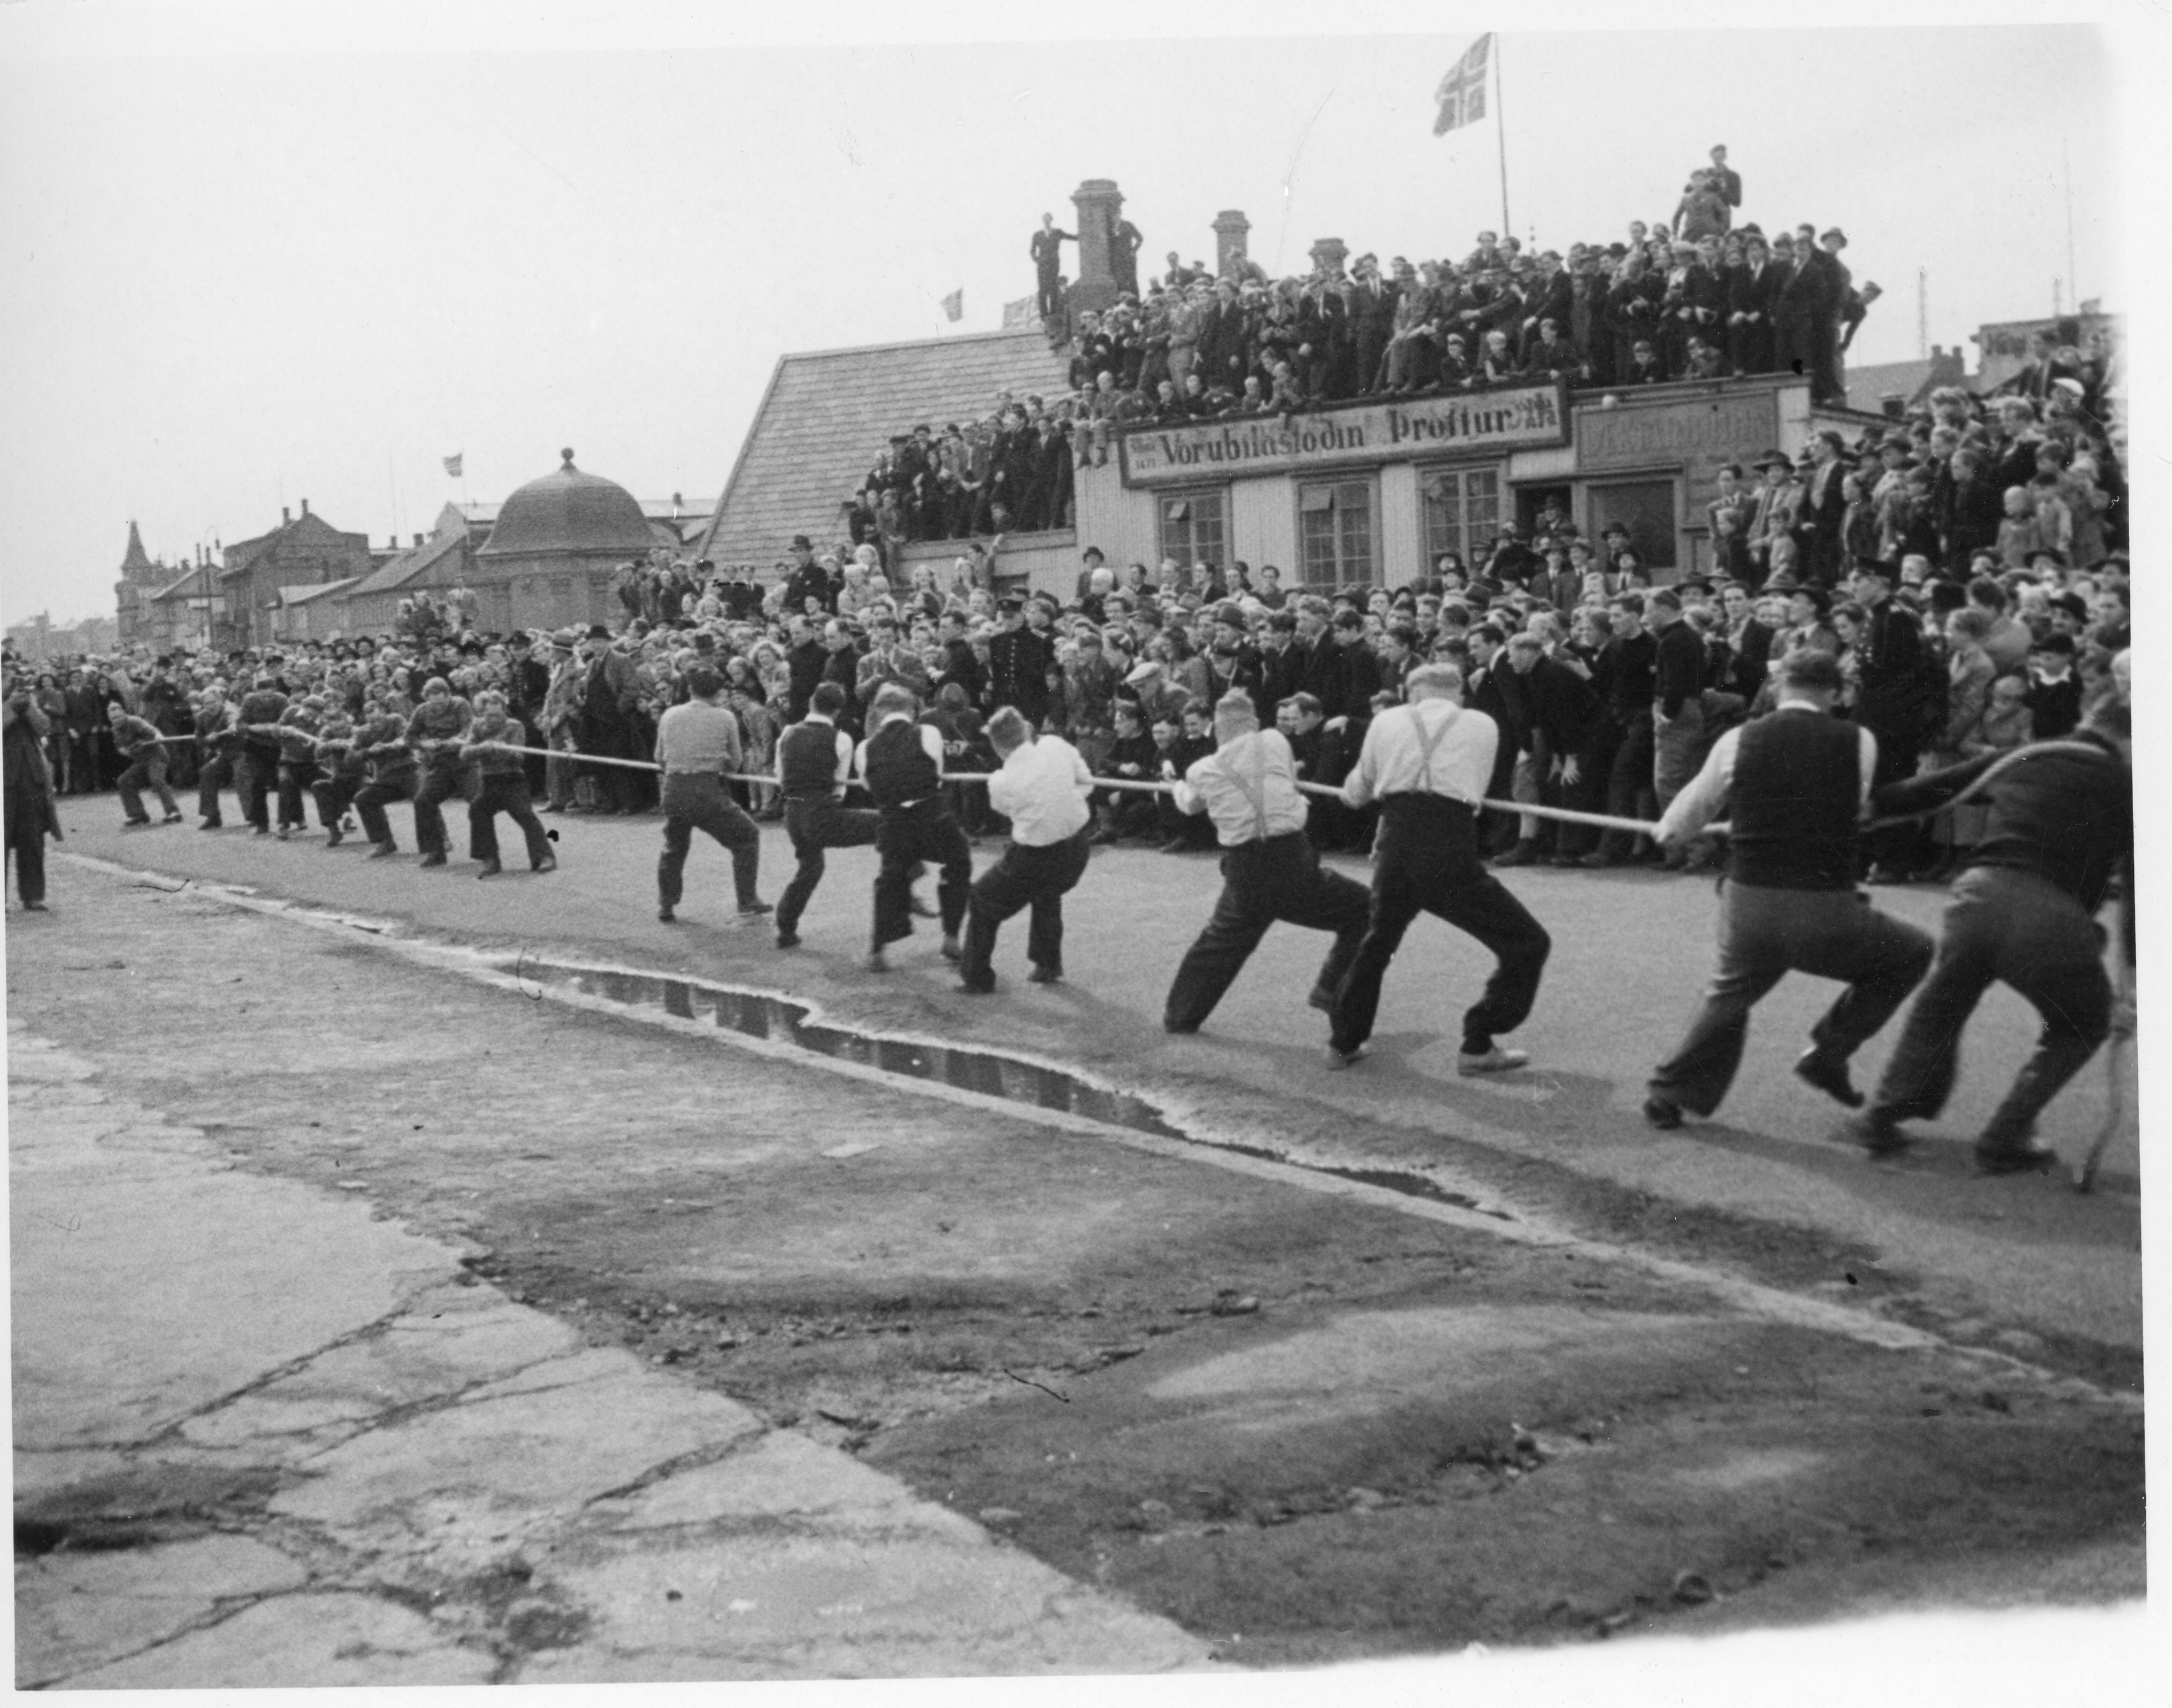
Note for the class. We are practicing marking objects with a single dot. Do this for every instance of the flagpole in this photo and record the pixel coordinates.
(1501, 136)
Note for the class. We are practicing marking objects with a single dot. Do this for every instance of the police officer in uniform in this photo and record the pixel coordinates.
(1428, 764)
(1799, 779)
(813, 763)
(1270, 869)
(901, 764)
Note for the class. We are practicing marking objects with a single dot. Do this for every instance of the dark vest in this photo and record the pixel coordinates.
(807, 759)
(1796, 793)
(899, 769)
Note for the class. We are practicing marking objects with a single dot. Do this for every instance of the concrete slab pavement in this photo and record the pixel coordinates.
(263, 1438)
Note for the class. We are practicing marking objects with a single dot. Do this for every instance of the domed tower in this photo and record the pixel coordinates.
(549, 561)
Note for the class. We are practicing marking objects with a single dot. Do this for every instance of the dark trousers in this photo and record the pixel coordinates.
(1426, 861)
(256, 779)
(2015, 927)
(1034, 878)
(297, 780)
(698, 801)
(1587, 794)
(216, 773)
(616, 788)
(1279, 878)
(506, 793)
(903, 838)
(814, 826)
(148, 772)
(334, 792)
(371, 799)
(1896, 846)
(26, 841)
(1765, 934)
(438, 787)
(1629, 790)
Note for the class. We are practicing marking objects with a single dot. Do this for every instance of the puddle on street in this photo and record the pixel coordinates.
(756, 1015)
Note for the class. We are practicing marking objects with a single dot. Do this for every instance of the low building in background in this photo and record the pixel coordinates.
(301, 552)
(553, 549)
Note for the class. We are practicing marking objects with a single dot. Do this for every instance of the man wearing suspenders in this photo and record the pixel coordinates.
(1270, 870)
(1428, 764)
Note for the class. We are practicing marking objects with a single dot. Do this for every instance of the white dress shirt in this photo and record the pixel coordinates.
(1699, 803)
(1394, 760)
(1248, 786)
(1041, 788)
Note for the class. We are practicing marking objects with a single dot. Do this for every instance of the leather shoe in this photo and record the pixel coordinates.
(1321, 998)
(1494, 1061)
(1045, 975)
(431, 860)
(1829, 1075)
(491, 868)
(1665, 1115)
(1878, 1132)
(788, 939)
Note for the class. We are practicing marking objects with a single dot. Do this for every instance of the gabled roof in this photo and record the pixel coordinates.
(408, 565)
(311, 592)
(828, 414)
(182, 587)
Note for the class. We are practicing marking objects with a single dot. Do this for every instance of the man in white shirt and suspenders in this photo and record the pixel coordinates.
(1270, 870)
(1041, 787)
(1428, 764)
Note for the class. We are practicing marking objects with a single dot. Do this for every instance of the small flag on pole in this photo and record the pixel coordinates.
(953, 305)
(453, 464)
(1462, 91)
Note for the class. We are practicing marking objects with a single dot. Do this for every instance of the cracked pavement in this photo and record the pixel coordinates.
(262, 1437)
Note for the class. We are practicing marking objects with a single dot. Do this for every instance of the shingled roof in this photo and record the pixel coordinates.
(829, 413)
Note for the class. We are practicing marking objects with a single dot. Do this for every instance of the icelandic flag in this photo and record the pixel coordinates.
(1462, 91)
(953, 305)
(453, 464)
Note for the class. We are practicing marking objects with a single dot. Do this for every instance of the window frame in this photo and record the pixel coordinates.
(1467, 547)
(1346, 574)
(1165, 498)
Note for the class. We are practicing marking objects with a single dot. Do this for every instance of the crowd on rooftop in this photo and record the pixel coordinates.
(1691, 296)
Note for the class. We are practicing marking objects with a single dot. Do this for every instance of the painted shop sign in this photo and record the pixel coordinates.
(1731, 428)
(1269, 444)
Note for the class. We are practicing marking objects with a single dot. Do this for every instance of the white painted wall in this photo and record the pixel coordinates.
(1263, 523)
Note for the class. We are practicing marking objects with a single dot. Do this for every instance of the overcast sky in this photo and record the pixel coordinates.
(233, 279)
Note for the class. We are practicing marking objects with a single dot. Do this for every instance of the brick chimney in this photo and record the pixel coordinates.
(1230, 227)
(418, 542)
(1100, 205)
(1329, 254)
(305, 507)
(285, 516)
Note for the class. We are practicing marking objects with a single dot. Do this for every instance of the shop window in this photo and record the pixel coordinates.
(1334, 535)
(1462, 511)
(1194, 527)
(1646, 509)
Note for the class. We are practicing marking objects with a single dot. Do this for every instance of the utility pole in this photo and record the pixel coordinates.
(1923, 314)
(2066, 169)
(2056, 307)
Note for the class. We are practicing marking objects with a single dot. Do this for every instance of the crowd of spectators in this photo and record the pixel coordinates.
(1694, 296)
(1966, 567)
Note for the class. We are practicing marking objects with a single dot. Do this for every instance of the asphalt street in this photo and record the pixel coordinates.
(1769, 1189)
(775, 1366)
